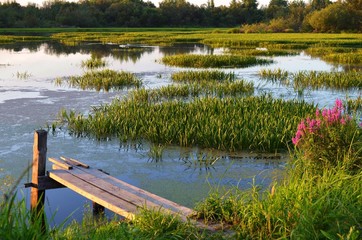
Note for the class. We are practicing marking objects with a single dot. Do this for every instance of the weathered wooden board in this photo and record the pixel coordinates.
(112, 193)
(93, 193)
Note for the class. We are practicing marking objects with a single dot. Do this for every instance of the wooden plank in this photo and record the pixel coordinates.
(60, 163)
(74, 162)
(93, 193)
(134, 199)
(149, 197)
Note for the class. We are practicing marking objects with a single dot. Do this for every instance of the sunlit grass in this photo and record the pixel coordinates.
(213, 61)
(103, 80)
(251, 123)
(315, 80)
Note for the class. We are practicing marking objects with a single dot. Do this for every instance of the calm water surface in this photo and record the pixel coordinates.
(29, 99)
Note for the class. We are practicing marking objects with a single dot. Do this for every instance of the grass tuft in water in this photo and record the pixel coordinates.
(213, 61)
(93, 63)
(103, 80)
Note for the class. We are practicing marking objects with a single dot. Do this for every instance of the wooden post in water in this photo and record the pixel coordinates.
(37, 197)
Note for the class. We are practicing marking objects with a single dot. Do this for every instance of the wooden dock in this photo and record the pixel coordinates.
(102, 189)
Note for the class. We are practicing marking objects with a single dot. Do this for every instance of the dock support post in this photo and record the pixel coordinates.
(37, 197)
(98, 210)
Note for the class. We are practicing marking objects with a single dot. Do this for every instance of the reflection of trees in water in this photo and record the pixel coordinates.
(98, 50)
(130, 54)
(18, 47)
(186, 48)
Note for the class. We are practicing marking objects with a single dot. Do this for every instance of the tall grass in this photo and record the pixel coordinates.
(213, 61)
(305, 205)
(103, 80)
(315, 80)
(93, 62)
(251, 123)
(209, 75)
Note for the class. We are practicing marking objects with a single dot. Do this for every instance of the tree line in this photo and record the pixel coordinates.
(244, 15)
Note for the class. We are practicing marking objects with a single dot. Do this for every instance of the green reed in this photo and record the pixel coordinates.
(275, 75)
(354, 105)
(250, 123)
(337, 54)
(261, 52)
(213, 61)
(315, 80)
(155, 153)
(23, 75)
(194, 89)
(93, 63)
(103, 80)
(305, 205)
(210, 75)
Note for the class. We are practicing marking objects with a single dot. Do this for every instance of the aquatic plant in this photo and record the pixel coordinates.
(23, 75)
(251, 123)
(331, 136)
(155, 152)
(103, 80)
(93, 62)
(275, 75)
(208, 75)
(315, 80)
(213, 61)
(270, 51)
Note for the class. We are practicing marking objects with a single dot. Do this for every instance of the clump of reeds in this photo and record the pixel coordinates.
(103, 80)
(261, 52)
(276, 76)
(250, 123)
(213, 61)
(209, 75)
(341, 55)
(93, 63)
(315, 80)
(23, 75)
(155, 153)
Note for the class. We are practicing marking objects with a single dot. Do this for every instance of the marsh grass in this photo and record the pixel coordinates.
(93, 63)
(315, 80)
(155, 152)
(354, 105)
(103, 80)
(251, 123)
(23, 75)
(209, 75)
(305, 205)
(261, 52)
(337, 54)
(213, 61)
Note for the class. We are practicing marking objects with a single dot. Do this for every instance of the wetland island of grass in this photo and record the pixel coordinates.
(238, 96)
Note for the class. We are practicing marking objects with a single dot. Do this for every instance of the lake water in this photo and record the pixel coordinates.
(29, 99)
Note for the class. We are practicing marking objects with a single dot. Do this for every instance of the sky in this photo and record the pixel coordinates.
(196, 2)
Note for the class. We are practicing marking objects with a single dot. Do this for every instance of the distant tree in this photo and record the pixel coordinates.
(335, 18)
(277, 9)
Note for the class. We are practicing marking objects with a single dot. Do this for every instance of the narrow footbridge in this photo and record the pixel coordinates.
(98, 186)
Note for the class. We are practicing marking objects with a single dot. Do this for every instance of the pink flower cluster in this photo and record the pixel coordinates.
(329, 117)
